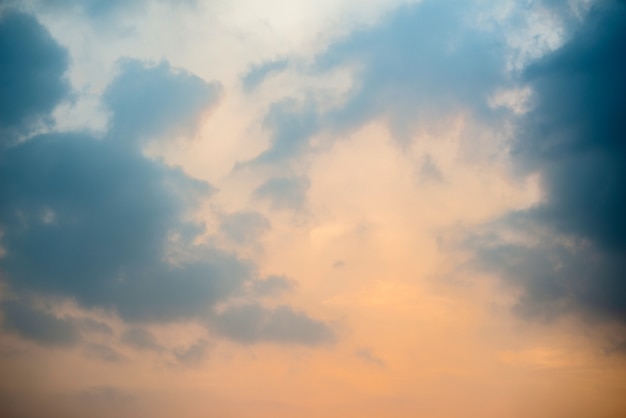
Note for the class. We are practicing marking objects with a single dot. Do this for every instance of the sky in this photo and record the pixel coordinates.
(315, 209)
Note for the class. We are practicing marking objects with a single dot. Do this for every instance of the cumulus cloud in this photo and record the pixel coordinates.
(424, 62)
(95, 220)
(141, 339)
(572, 254)
(149, 101)
(32, 74)
(39, 325)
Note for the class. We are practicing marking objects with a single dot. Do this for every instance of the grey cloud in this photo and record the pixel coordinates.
(574, 135)
(424, 61)
(104, 353)
(575, 258)
(257, 74)
(421, 64)
(156, 101)
(141, 339)
(92, 219)
(111, 213)
(94, 326)
(284, 192)
(555, 276)
(244, 227)
(98, 222)
(254, 323)
(272, 285)
(193, 355)
(292, 124)
(32, 74)
(38, 325)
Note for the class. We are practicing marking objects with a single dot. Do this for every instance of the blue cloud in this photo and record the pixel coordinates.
(98, 222)
(574, 139)
(141, 339)
(39, 325)
(156, 101)
(32, 71)
(421, 64)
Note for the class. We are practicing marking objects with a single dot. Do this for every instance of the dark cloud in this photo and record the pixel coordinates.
(254, 323)
(141, 339)
(575, 135)
(554, 275)
(257, 74)
(32, 69)
(244, 227)
(573, 258)
(272, 285)
(95, 220)
(98, 221)
(284, 192)
(92, 326)
(149, 101)
(39, 325)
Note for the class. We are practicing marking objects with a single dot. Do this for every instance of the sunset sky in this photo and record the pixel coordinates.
(313, 208)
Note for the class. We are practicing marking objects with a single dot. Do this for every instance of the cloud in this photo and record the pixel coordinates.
(257, 74)
(156, 101)
(272, 285)
(98, 222)
(193, 355)
(423, 63)
(105, 395)
(367, 356)
(100, 218)
(292, 124)
(104, 353)
(104, 12)
(32, 73)
(284, 192)
(244, 227)
(38, 325)
(93, 326)
(253, 323)
(141, 339)
(572, 257)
